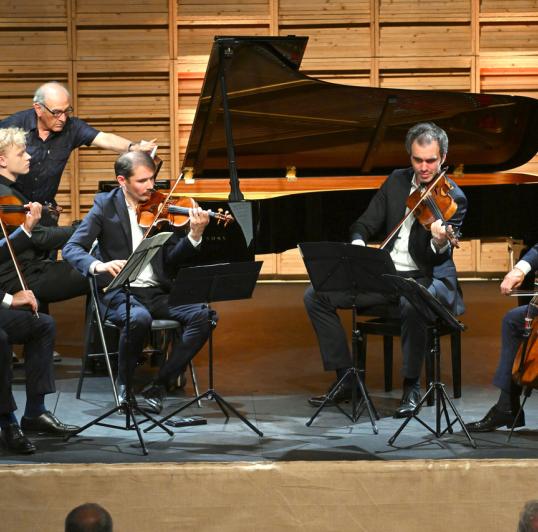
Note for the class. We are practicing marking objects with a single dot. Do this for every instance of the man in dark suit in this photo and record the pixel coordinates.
(112, 221)
(50, 280)
(37, 333)
(503, 413)
(416, 252)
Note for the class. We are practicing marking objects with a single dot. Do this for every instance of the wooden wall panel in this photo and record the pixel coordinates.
(121, 29)
(452, 74)
(319, 12)
(519, 8)
(438, 40)
(405, 11)
(130, 99)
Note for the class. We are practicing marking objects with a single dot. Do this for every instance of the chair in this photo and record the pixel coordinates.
(107, 332)
(387, 323)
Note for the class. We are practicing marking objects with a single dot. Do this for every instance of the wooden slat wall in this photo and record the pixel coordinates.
(135, 67)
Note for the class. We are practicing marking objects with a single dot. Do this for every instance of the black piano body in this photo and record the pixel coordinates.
(259, 117)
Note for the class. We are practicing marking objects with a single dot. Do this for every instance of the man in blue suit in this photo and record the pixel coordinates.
(416, 252)
(37, 333)
(503, 412)
(112, 221)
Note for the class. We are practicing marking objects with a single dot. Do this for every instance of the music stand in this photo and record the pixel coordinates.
(135, 264)
(206, 284)
(339, 267)
(434, 314)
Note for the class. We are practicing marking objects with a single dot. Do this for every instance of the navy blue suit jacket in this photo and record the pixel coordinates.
(108, 223)
(386, 210)
(20, 242)
(532, 257)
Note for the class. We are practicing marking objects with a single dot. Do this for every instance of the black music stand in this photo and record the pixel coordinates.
(136, 263)
(338, 267)
(206, 284)
(434, 314)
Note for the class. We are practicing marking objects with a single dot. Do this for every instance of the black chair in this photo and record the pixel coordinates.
(99, 334)
(385, 321)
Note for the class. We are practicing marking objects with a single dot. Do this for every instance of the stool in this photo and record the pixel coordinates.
(390, 327)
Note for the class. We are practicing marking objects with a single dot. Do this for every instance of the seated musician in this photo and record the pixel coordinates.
(49, 280)
(113, 222)
(505, 410)
(416, 252)
(19, 325)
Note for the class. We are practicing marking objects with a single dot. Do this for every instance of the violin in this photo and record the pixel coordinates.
(161, 209)
(429, 204)
(13, 212)
(525, 367)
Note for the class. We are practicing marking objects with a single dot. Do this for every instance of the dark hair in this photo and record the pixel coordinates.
(528, 519)
(89, 517)
(126, 163)
(425, 133)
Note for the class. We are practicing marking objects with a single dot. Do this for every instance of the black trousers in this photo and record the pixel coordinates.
(152, 303)
(51, 281)
(333, 339)
(37, 336)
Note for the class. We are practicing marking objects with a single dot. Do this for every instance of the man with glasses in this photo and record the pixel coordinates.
(52, 135)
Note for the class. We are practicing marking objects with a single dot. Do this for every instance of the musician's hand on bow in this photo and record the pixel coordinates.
(198, 220)
(24, 298)
(112, 267)
(32, 216)
(512, 280)
(440, 233)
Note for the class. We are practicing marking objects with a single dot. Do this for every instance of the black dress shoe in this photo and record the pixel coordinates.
(495, 419)
(15, 440)
(410, 400)
(343, 393)
(47, 423)
(154, 396)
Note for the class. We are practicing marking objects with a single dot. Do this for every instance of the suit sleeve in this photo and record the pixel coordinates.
(47, 238)
(532, 257)
(19, 240)
(77, 250)
(373, 220)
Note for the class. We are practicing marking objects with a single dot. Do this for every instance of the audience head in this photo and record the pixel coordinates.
(89, 517)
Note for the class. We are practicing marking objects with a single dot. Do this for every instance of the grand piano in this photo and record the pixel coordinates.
(259, 119)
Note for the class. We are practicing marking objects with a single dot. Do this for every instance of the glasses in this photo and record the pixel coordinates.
(56, 113)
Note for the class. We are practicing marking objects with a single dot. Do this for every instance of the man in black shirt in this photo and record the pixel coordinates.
(52, 134)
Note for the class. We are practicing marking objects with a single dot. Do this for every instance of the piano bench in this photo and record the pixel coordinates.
(390, 327)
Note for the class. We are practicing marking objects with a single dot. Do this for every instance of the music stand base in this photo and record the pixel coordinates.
(130, 423)
(438, 391)
(357, 406)
(224, 405)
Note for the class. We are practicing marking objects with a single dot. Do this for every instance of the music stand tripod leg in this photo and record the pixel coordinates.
(211, 393)
(528, 391)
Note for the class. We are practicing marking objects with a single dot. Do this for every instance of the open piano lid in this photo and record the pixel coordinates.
(281, 118)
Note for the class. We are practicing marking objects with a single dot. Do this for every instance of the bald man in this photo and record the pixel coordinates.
(52, 134)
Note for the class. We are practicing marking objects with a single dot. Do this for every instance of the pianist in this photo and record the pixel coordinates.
(416, 252)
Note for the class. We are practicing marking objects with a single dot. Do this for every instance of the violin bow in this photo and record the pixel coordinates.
(162, 205)
(22, 280)
(411, 211)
